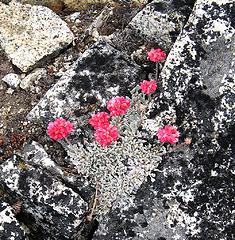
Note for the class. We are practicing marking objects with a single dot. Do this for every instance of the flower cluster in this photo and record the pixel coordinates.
(156, 55)
(59, 129)
(118, 106)
(105, 133)
(105, 136)
(99, 120)
(168, 134)
(148, 87)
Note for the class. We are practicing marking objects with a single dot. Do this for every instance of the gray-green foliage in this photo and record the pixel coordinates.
(119, 169)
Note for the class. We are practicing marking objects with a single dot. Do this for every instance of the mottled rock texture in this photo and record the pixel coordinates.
(100, 73)
(35, 155)
(30, 34)
(158, 24)
(10, 228)
(191, 195)
(49, 206)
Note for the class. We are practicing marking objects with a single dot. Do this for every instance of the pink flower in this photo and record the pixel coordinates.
(105, 136)
(148, 87)
(156, 55)
(118, 106)
(100, 119)
(59, 129)
(168, 134)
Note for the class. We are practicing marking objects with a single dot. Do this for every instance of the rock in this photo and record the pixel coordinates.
(100, 73)
(49, 206)
(12, 79)
(10, 228)
(35, 155)
(32, 78)
(157, 24)
(30, 34)
(180, 198)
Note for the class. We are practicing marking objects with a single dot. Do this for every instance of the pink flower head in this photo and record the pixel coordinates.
(99, 120)
(105, 136)
(168, 134)
(148, 87)
(156, 55)
(59, 129)
(118, 106)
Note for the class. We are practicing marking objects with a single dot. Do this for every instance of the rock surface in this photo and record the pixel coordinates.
(35, 155)
(50, 207)
(191, 195)
(157, 24)
(100, 73)
(12, 79)
(9, 226)
(29, 34)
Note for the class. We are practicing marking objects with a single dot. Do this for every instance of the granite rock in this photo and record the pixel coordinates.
(10, 228)
(33, 78)
(12, 79)
(190, 196)
(157, 24)
(30, 34)
(35, 155)
(100, 73)
(49, 206)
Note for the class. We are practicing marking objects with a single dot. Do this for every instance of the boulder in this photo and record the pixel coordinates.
(158, 24)
(190, 196)
(50, 207)
(10, 228)
(30, 34)
(35, 155)
(99, 74)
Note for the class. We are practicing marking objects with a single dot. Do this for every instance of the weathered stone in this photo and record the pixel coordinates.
(35, 155)
(100, 73)
(9, 226)
(12, 79)
(32, 78)
(197, 94)
(53, 208)
(158, 24)
(30, 34)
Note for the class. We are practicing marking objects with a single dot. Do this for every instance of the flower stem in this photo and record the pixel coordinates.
(157, 71)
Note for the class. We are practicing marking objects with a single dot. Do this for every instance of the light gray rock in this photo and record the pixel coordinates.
(12, 79)
(158, 24)
(10, 228)
(29, 34)
(53, 208)
(32, 78)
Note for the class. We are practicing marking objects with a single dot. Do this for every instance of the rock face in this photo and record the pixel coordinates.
(30, 34)
(9, 226)
(35, 155)
(51, 208)
(100, 73)
(191, 195)
(157, 24)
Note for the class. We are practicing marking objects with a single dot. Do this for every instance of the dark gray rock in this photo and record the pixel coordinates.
(10, 228)
(100, 73)
(158, 24)
(50, 207)
(35, 155)
(191, 195)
